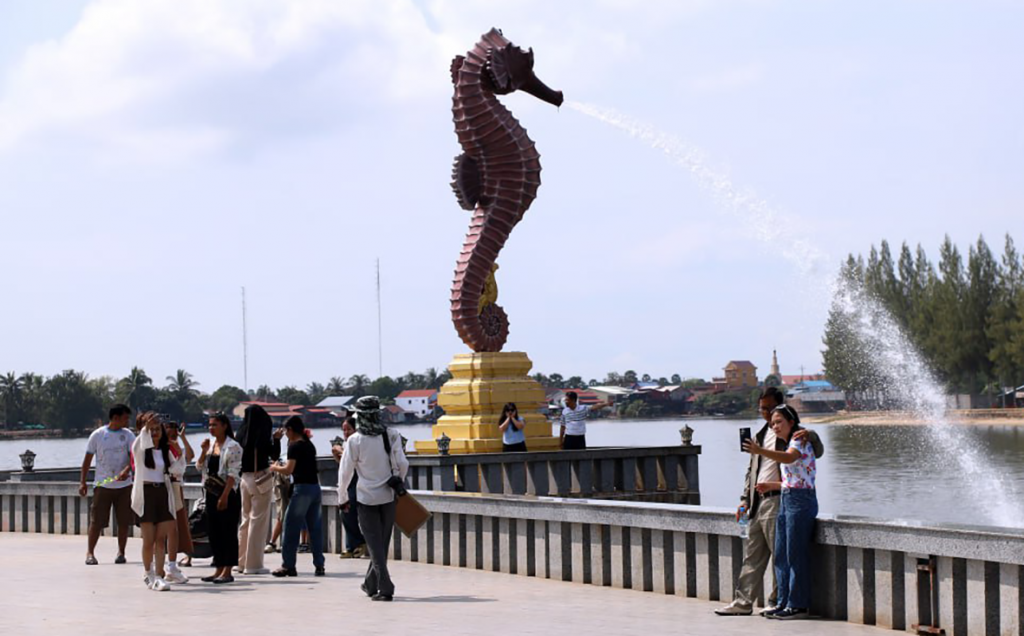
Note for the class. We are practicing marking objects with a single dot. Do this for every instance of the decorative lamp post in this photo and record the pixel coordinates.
(28, 461)
(443, 443)
(686, 435)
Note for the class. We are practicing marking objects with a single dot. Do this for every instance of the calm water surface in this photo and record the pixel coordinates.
(891, 472)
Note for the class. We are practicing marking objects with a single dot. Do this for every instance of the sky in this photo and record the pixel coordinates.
(156, 157)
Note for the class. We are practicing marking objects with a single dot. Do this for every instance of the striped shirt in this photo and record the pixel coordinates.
(575, 420)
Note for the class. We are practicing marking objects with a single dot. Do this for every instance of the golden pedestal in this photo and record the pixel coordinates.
(473, 400)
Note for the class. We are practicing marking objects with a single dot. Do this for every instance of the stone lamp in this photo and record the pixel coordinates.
(686, 435)
(28, 461)
(443, 443)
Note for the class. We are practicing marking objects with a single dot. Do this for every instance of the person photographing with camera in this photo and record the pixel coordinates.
(760, 505)
(374, 453)
(513, 437)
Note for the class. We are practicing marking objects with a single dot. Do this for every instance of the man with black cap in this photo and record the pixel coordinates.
(374, 453)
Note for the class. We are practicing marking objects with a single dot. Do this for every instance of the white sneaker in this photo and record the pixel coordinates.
(160, 585)
(734, 609)
(174, 575)
(257, 571)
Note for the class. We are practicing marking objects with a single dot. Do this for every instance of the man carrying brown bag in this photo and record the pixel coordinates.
(376, 455)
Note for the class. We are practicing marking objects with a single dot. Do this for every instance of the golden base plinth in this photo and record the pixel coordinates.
(473, 400)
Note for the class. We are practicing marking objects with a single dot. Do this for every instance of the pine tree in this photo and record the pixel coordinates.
(1004, 324)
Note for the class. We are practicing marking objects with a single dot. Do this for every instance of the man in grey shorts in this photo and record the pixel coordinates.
(111, 446)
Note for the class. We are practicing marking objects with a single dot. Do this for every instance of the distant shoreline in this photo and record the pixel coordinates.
(978, 417)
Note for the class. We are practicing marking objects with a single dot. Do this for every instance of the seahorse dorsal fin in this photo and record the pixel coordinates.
(466, 181)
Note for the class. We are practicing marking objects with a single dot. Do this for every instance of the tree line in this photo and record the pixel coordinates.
(612, 378)
(965, 318)
(72, 401)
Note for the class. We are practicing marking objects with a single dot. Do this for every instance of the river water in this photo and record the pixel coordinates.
(889, 472)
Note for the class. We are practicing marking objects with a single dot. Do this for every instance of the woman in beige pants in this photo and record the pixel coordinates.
(260, 446)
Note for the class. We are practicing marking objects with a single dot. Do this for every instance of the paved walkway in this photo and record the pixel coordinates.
(45, 588)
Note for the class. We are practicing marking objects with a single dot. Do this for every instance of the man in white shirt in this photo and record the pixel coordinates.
(111, 445)
(366, 455)
(573, 434)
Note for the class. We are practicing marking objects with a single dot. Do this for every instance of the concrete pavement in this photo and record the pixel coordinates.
(45, 588)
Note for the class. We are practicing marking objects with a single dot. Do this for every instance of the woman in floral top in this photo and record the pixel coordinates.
(797, 511)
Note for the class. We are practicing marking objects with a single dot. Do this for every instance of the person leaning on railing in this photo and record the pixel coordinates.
(797, 513)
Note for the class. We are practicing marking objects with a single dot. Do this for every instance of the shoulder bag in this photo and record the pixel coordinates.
(410, 515)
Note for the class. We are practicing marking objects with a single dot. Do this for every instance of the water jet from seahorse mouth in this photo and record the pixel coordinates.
(896, 359)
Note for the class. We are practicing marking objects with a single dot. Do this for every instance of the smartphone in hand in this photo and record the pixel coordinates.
(744, 437)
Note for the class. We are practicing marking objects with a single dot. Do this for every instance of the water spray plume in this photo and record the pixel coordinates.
(892, 360)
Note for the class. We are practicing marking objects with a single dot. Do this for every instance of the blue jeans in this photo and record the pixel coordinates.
(350, 520)
(303, 512)
(794, 532)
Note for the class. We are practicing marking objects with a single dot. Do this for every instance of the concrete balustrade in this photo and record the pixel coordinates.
(867, 571)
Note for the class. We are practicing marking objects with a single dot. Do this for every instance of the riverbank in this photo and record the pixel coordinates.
(974, 417)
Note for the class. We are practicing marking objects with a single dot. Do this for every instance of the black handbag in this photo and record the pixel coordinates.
(214, 486)
(395, 481)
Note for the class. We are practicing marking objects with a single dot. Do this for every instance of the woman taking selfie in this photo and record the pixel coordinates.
(304, 504)
(798, 508)
(513, 438)
(221, 466)
(152, 497)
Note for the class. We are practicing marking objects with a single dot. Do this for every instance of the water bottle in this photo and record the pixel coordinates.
(744, 523)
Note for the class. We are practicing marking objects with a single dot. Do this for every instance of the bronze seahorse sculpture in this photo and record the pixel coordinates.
(496, 176)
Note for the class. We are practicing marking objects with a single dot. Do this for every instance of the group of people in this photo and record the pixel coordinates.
(780, 502)
(139, 476)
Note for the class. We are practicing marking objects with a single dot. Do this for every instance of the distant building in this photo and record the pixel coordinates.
(417, 402)
(610, 392)
(816, 396)
(393, 414)
(740, 374)
(588, 397)
(793, 380)
(312, 416)
(339, 405)
(774, 370)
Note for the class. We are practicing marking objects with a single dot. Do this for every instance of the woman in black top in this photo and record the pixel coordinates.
(304, 506)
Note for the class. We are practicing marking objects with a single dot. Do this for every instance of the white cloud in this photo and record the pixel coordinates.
(117, 77)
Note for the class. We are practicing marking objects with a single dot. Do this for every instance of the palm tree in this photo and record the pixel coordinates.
(11, 396)
(316, 392)
(33, 398)
(430, 379)
(335, 386)
(357, 384)
(182, 386)
(136, 390)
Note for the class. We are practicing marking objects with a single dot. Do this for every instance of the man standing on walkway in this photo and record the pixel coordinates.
(573, 434)
(111, 445)
(375, 454)
(762, 510)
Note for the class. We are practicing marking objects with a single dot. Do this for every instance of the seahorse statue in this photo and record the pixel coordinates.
(496, 176)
